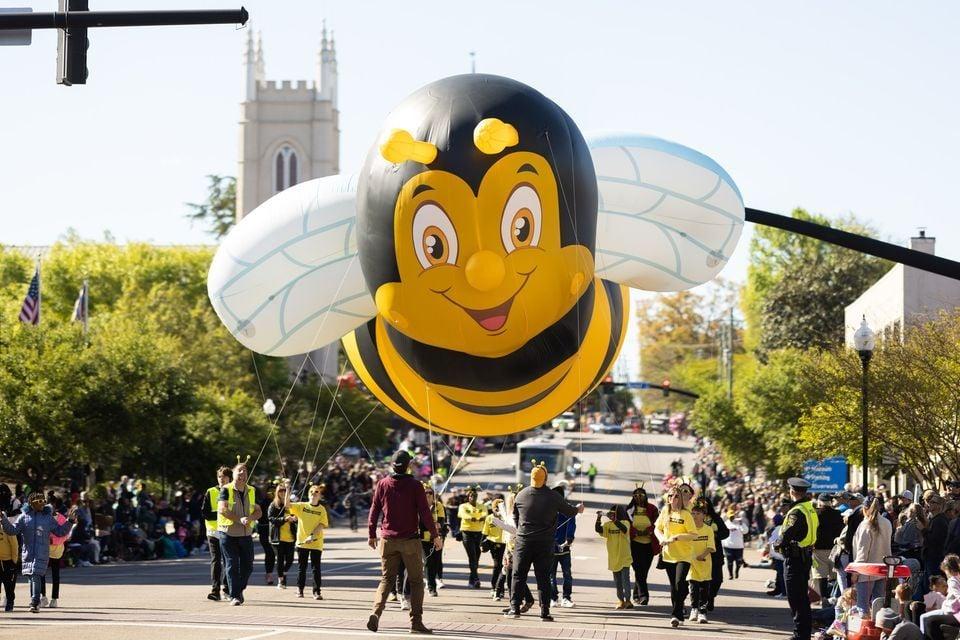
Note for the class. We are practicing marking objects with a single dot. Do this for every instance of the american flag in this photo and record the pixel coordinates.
(30, 312)
(80, 306)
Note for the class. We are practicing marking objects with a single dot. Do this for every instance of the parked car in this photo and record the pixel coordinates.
(658, 423)
(605, 427)
(566, 421)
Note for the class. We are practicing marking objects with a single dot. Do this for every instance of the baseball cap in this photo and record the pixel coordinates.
(907, 495)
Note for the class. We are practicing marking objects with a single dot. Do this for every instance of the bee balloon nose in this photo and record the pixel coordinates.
(485, 270)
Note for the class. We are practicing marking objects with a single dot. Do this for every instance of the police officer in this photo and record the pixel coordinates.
(798, 535)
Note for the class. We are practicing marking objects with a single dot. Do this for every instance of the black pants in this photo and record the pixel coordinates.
(538, 553)
(55, 576)
(506, 579)
(642, 555)
(313, 556)
(269, 558)
(218, 576)
(734, 561)
(717, 568)
(431, 564)
(496, 552)
(700, 594)
(935, 625)
(284, 552)
(8, 576)
(677, 574)
(352, 511)
(471, 543)
(796, 574)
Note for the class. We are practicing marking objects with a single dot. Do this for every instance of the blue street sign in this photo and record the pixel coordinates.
(638, 385)
(829, 474)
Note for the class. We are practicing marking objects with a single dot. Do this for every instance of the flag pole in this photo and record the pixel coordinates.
(39, 291)
(86, 306)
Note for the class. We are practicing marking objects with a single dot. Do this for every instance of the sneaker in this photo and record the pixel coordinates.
(620, 605)
(433, 592)
(476, 584)
(510, 613)
(498, 597)
(300, 594)
(780, 596)
(236, 602)
(34, 608)
(440, 584)
(693, 615)
(373, 622)
(53, 603)
(702, 618)
(280, 585)
(546, 618)
(269, 579)
(393, 597)
(526, 606)
(644, 601)
(85, 563)
(493, 594)
(674, 622)
(566, 602)
(404, 604)
(627, 604)
(44, 602)
(282, 582)
(317, 596)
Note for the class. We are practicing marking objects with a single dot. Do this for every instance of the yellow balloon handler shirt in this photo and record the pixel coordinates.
(472, 517)
(641, 523)
(703, 544)
(676, 523)
(308, 517)
(618, 545)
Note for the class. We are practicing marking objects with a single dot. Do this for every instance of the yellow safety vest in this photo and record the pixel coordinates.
(224, 522)
(213, 494)
(810, 513)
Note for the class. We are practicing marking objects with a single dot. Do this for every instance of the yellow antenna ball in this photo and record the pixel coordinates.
(493, 135)
(400, 147)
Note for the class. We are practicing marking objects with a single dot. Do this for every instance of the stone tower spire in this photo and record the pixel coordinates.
(250, 69)
(261, 68)
(327, 68)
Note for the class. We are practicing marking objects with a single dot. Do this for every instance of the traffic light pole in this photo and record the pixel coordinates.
(87, 19)
(73, 20)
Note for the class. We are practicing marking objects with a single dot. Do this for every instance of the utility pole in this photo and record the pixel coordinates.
(730, 357)
(73, 19)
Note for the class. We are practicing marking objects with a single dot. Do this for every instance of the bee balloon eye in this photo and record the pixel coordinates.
(520, 226)
(434, 238)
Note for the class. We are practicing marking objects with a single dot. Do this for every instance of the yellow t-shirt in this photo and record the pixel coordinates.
(286, 535)
(702, 570)
(56, 551)
(472, 517)
(308, 517)
(618, 545)
(641, 523)
(672, 523)
(492, 531)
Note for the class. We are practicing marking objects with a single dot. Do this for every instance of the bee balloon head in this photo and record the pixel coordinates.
(538, 475)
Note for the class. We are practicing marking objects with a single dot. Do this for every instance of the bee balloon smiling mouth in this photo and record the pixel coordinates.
(476, 267)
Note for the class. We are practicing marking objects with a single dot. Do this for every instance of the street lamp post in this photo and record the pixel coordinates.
(863, 341)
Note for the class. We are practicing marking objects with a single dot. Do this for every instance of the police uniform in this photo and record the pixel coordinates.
(797, 537)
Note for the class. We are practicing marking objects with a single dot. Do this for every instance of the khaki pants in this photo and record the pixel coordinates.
(393, 553)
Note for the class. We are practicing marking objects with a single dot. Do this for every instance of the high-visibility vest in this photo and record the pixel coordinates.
(213, 495)
(810, 513)
(223, 523)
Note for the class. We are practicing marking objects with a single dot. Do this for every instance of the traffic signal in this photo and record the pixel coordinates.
(666, 388)
(72, 44)
(606, 387)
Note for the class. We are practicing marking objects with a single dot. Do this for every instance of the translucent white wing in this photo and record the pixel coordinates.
(669, 217)
(286, 280)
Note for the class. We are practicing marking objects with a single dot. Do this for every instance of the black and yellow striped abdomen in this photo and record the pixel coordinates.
(472, 395)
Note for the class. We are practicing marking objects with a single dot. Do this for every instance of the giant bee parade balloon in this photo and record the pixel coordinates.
(476, 268)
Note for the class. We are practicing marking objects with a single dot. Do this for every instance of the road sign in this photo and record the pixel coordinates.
(829, 474)
(16, 37)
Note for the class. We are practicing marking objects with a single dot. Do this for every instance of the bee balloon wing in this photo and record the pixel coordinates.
(286, 280)
(669, 217)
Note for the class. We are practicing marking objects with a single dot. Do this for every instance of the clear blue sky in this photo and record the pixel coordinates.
(838, 107)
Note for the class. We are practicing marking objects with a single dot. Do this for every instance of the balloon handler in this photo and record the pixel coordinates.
(535, 512)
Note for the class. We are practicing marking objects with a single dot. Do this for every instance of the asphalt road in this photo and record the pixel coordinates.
(166, 599)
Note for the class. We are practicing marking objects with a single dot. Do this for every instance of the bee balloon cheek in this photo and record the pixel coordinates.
(388, 301)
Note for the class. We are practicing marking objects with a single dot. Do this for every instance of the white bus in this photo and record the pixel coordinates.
(555, 453)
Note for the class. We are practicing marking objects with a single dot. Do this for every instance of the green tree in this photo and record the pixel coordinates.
(914, 402)
(219, 212)
(797, 287)
(717, 418)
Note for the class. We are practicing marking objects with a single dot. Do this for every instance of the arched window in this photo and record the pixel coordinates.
(285, 168)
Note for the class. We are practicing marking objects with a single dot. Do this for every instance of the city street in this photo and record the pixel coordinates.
(166, 598)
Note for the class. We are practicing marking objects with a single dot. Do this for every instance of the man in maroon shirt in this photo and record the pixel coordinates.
(401, 501)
